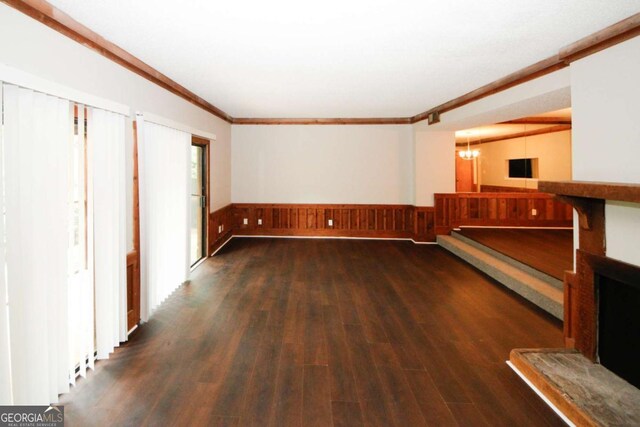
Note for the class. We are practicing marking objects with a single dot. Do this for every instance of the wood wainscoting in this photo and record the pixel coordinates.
(378, 221)
(220, 227)
(419, 223)
(500, 209)
(368, 221)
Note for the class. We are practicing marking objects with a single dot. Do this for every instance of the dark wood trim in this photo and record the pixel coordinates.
(543, 131)
(610, 36)
(526, 74)
(327, 121)
(56, 19)
(133, 257)
(538, 121)
(617, 191)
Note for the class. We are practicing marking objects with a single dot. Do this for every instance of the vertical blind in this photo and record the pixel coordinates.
(47, 307)
(106, 139)
(37, 131)
(163, 168)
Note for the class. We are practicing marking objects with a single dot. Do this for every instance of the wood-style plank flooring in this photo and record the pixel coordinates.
(290, 332)
(549, 251)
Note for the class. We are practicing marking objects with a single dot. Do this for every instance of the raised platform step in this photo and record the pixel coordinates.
(542, 293)
(556, 283)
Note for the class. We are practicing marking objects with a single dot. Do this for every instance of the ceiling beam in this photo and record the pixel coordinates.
(610, 36)
(550, 129)
(335, 121)
(538, 121)
(531, 72)
(56, 19)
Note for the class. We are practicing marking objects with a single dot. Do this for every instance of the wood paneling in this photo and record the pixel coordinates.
(390, 221)
(223, 218)
(499, 209)
(372, 221)
(501, 189)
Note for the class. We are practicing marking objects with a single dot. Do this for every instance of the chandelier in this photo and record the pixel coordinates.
(468, 154)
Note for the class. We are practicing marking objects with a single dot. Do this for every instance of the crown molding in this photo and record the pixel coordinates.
(334, 121)
(54, 18)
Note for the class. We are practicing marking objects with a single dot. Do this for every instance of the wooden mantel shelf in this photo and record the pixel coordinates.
(593, 190)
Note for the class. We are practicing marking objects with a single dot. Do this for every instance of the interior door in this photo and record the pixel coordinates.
(199, 199)
(464, 175)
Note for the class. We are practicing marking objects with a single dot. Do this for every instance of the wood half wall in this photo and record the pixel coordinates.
(419, 223)
(500, 209)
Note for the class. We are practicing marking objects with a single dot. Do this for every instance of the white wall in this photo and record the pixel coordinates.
(553, 151)
(367, 164)
(35, 48)
(435, 165)
(605, 92)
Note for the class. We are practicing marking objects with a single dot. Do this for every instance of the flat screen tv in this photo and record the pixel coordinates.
(521, 168)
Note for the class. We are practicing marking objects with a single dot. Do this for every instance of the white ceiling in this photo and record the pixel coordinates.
(286, 58)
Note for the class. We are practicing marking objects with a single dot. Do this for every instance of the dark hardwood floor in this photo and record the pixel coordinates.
(290, 332)
(549, 251)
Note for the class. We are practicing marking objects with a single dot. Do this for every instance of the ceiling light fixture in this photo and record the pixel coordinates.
(468, 154)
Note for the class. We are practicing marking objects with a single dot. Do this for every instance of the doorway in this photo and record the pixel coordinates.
(465, 175)
(199, 183)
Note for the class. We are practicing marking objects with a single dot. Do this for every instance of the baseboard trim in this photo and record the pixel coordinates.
(264, 236)
(222, 245)
(513, 226)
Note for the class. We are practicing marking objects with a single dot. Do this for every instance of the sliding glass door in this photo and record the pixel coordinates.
(199, 202)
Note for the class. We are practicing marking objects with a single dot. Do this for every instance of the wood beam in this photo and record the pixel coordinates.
(56, 19)
(538, 121)
(550, 129)
(610, 36)
(318, 121)
(531, 72)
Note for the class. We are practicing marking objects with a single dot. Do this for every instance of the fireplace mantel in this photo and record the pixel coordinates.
(588, 198)
(593, 190)
(581, 299)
